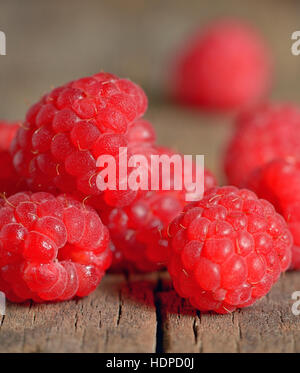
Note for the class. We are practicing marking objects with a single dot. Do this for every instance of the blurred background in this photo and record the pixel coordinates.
(52, 42)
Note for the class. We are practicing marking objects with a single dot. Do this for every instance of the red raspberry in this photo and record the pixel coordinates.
(263, 134)
(8, 131)
(139, 231)
(279, 182)
(10, 182)
(66, 131)
(225, 67)
(51, 248)
(227, 250)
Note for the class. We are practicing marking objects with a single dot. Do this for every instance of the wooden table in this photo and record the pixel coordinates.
(141, 313)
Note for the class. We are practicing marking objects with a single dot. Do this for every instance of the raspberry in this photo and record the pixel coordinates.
(225, 67)
(51, 248)
(10, 182)
(265, 133)
(139, 231)
(227, 250)
(8, 131)
(66, 131)
(279, 182)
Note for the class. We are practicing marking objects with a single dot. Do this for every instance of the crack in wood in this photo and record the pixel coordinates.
(120, 308)
(195, 330)
(2, 321)
(236, 324)
(159, 328)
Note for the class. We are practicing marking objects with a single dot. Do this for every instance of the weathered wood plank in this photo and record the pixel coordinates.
(109, 320)
(268, 326)
(135, 330)
(179, 324)
(143, 314)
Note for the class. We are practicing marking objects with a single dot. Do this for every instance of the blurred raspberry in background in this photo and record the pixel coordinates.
(225, 66)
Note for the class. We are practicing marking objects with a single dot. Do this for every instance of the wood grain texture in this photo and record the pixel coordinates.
(143, 314)
(268, 326)
(116, 317)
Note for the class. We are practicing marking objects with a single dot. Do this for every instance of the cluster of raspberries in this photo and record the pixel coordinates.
(228, 67)
(60, 232)
(263, 155)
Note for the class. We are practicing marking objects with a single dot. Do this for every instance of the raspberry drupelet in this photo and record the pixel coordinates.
(223, 67)
(51, 248)
(10, 182)
(227, 250)
(141, 132)
(262, 134)
(279, 182)
(69, 128)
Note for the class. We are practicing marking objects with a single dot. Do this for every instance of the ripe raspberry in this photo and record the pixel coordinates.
(139, 231)
(8, 131)
(66, 131)
(227, 250)
(279, 182)
(225, 67)
(10, 182)
(51, 248)
(263, 134)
